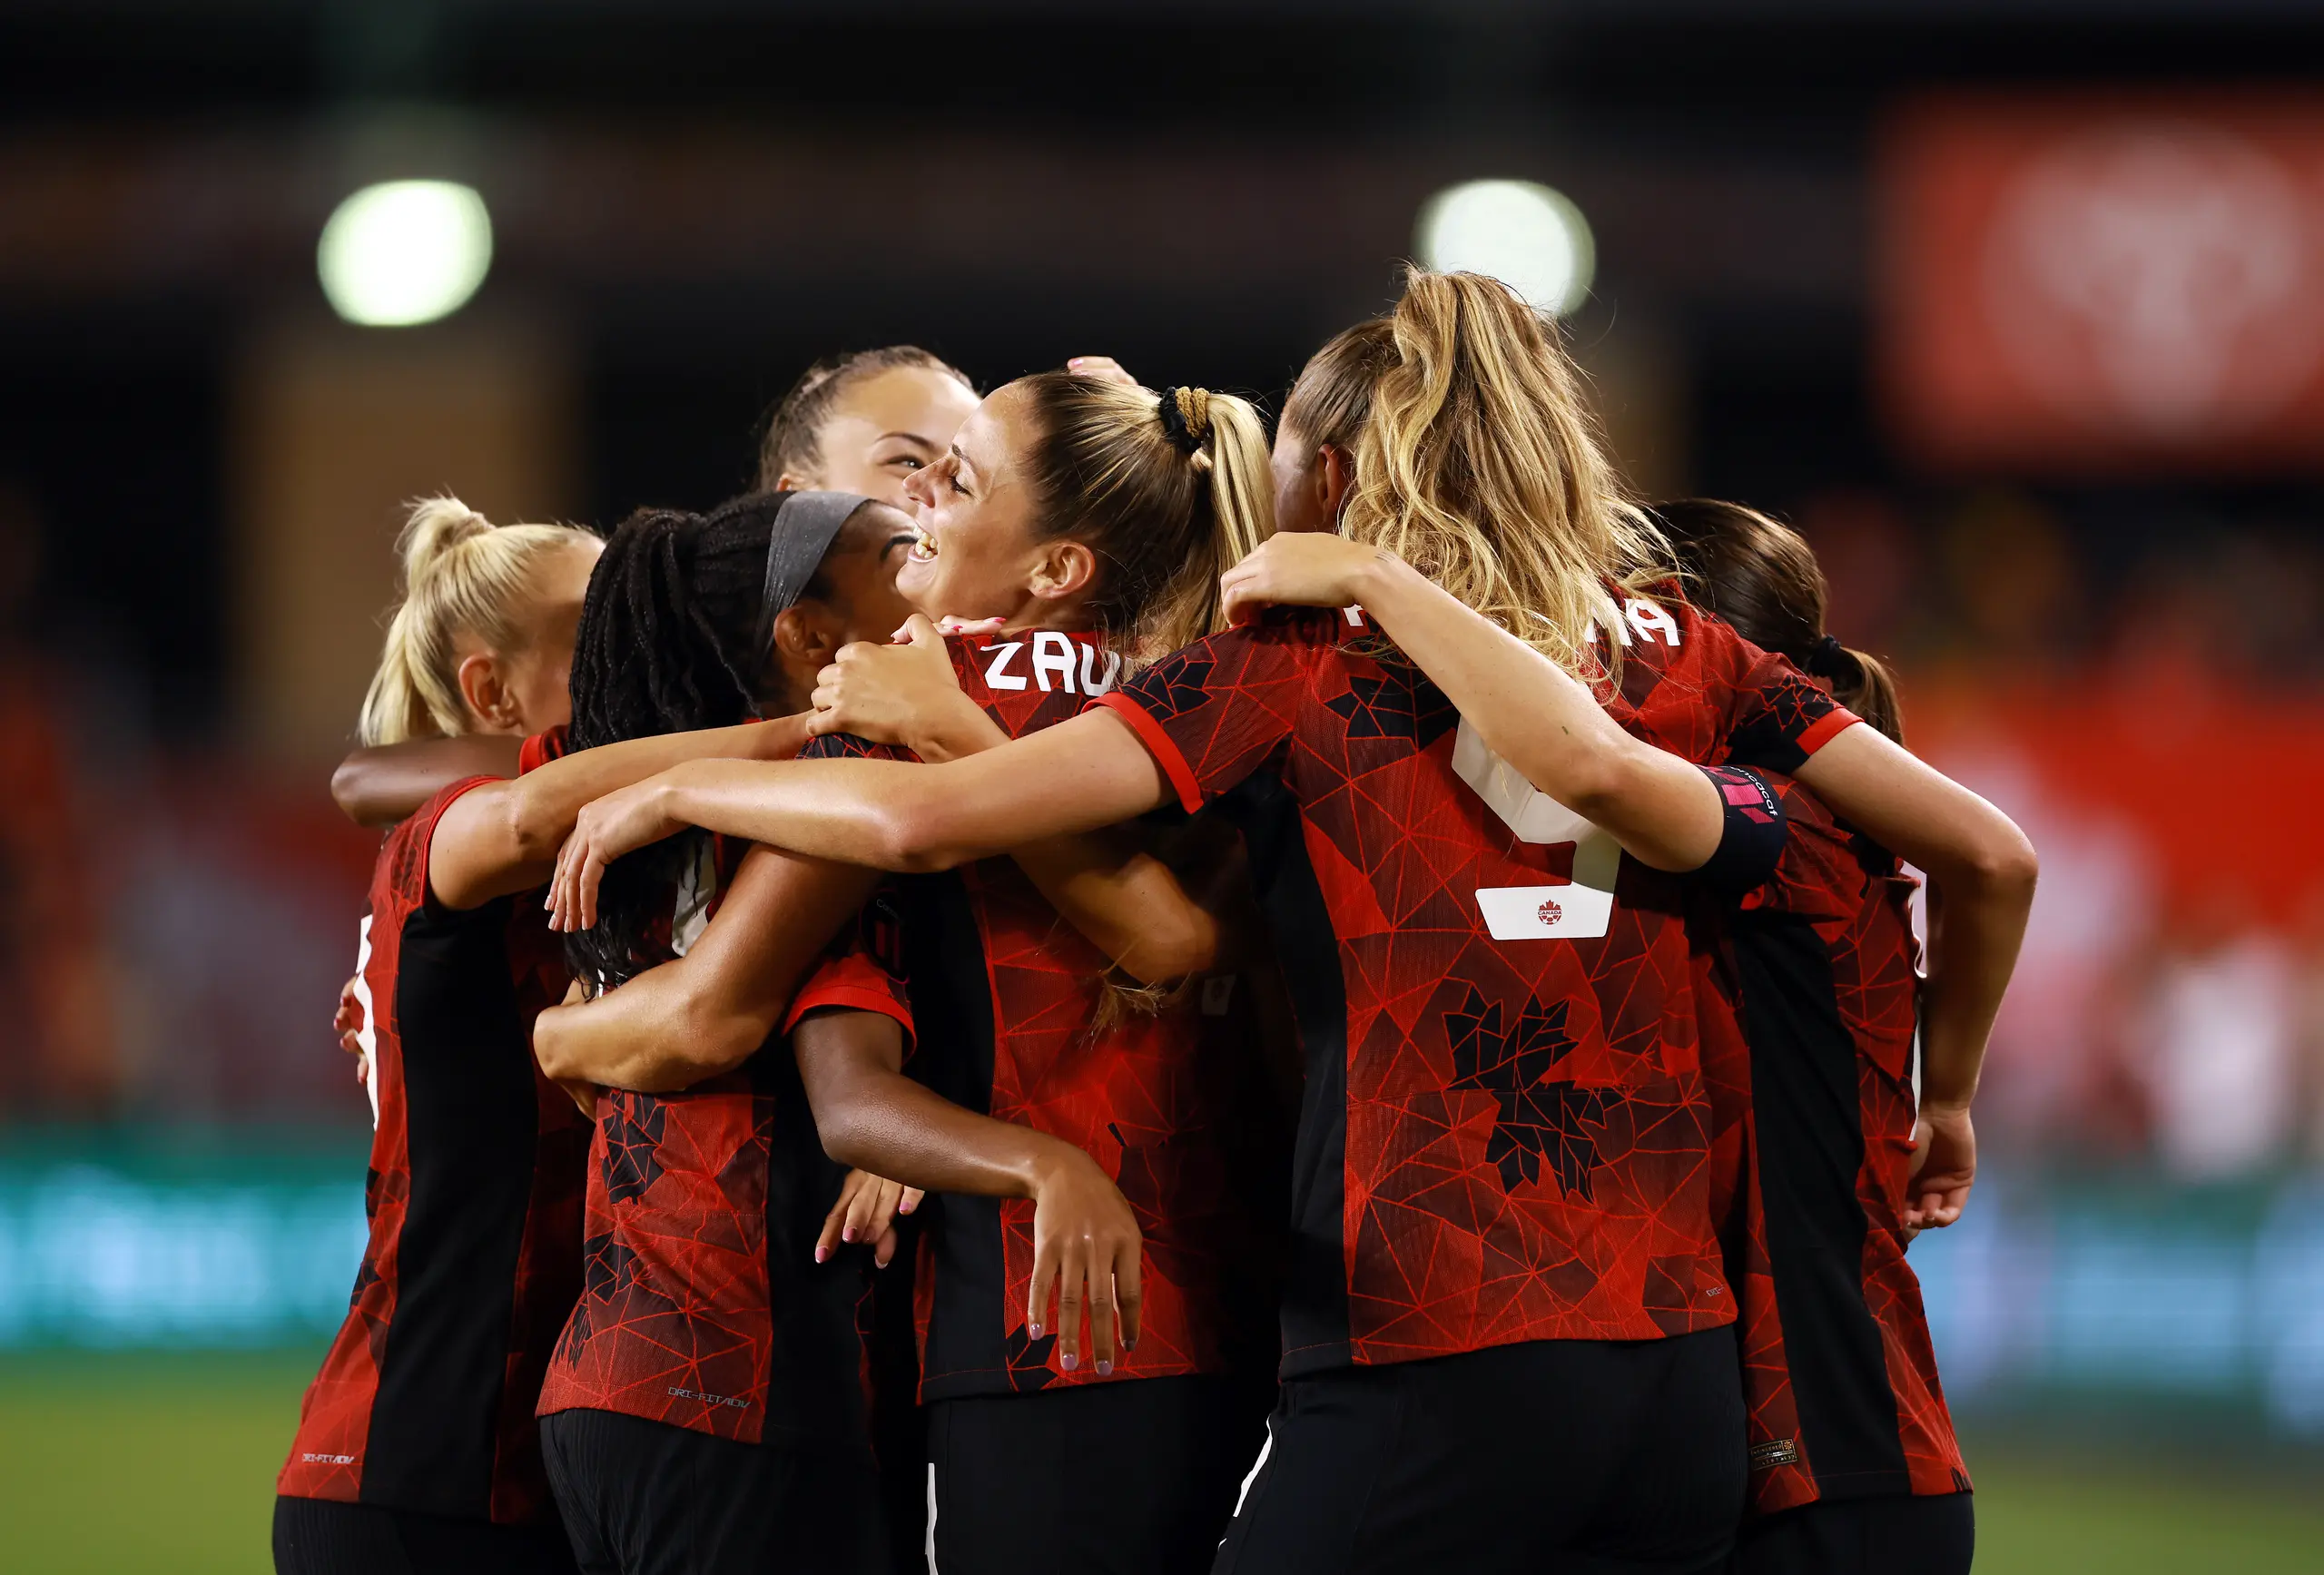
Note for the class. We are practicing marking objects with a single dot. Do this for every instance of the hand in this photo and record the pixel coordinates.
(1945, 1166)
(347, 1022)
(1085, 1248)
(1104, 367)
(866, 1212)
(620, 822)
(1298, 569)
(905, 693)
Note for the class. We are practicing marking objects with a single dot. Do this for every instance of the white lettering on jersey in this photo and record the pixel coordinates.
(1093, 685)
(1650, 621)
(992, 673)
(1053, 653)
(1577, 910)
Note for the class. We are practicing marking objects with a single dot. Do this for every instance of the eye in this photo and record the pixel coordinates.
(908, 461)
(955, 479)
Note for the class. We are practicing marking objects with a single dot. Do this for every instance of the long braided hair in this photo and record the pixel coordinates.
(664, 646)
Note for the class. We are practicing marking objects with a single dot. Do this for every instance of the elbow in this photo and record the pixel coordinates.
(1176, 952)
(531, 837)
(2007, 866)
(842, 1125)
(347, 790)
(915, 834)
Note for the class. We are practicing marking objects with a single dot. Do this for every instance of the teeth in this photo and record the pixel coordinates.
(923, 547)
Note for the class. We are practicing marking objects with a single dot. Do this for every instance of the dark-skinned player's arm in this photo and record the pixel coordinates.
(1108, 884)
(709, 1012)
(502, 838)
(1077, 776)
(1981, 872)
(1087, 1246)
(1528, 710)
(383, 784)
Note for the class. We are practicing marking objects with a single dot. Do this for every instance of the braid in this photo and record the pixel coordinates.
(661, 648)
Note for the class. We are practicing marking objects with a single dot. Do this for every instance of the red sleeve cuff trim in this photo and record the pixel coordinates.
(1827, 728)
(1159, 744)
(853, 997)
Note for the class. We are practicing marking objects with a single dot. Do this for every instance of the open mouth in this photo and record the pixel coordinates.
(923, 548)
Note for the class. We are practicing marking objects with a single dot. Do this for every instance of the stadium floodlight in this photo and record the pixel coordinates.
(1530, 237)
(404, 252)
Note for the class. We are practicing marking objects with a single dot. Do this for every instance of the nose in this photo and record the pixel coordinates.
(918, 487)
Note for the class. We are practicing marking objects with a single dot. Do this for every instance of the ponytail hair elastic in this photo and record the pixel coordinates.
(1186, 418)
(1828, 659)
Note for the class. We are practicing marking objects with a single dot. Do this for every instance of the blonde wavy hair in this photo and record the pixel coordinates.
(462, 574)
(1479, 463)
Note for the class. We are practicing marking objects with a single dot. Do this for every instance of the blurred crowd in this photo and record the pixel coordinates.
(2134, 676)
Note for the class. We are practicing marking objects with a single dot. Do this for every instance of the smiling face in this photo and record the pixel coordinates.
(884, 430)
(979, 554)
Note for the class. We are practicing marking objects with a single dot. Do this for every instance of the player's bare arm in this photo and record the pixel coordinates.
(1086, 1241)
(710, 1010)
(1529, 711)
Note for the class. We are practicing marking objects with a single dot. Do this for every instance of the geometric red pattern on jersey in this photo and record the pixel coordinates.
(1156, 1100)
(674, 1323)
(1857, 899)
(1527, 1128)
(327, 1454)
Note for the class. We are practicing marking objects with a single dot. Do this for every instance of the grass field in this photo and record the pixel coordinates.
(137, 1464)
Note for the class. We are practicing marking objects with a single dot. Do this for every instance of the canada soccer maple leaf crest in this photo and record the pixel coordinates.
(1536, 1118)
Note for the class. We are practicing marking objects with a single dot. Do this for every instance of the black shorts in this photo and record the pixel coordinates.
(1895, 1535)
(324, 1537)
(645, 1498)
(1107, 1479)
(1557, 1454)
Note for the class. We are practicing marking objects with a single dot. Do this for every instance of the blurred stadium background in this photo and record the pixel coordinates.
(2016, 309)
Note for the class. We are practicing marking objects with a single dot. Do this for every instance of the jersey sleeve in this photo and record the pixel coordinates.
(1752, 830)
(540, 749)
(1213, 712)
(1778, 716)
(860, 972)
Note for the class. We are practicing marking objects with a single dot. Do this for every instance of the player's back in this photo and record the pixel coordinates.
(425, 1401)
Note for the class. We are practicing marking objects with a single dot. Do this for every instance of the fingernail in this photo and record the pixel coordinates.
(1104, 1367)
(1129, 1345)
(1067, 1361)
(821, 1253)
(848, 1235)
(1034, 1330)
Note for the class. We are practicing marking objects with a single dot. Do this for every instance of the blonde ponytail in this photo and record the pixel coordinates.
(1168, 490)
(1478, 464)
(462, 574)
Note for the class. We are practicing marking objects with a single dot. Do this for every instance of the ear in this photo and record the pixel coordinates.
(485, 690)
(1335, 479)
(1062, 569)
(805, 642)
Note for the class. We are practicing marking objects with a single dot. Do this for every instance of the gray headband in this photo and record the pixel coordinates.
(806, 526)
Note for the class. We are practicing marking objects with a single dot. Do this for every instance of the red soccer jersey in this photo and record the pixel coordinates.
(1838, 1368)
(1507, 1129)
(701, 1305)
(1174, 1106)
(425, 1401)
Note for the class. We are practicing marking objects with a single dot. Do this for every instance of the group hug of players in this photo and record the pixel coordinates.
(1054, 992)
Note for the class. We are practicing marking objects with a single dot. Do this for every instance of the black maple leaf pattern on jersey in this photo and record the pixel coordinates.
(1395, 705)
(633, 1144)
(1185, 686)
(1029, 1360)
(1535, 1117)
(367, 1275)
(608, 1266)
